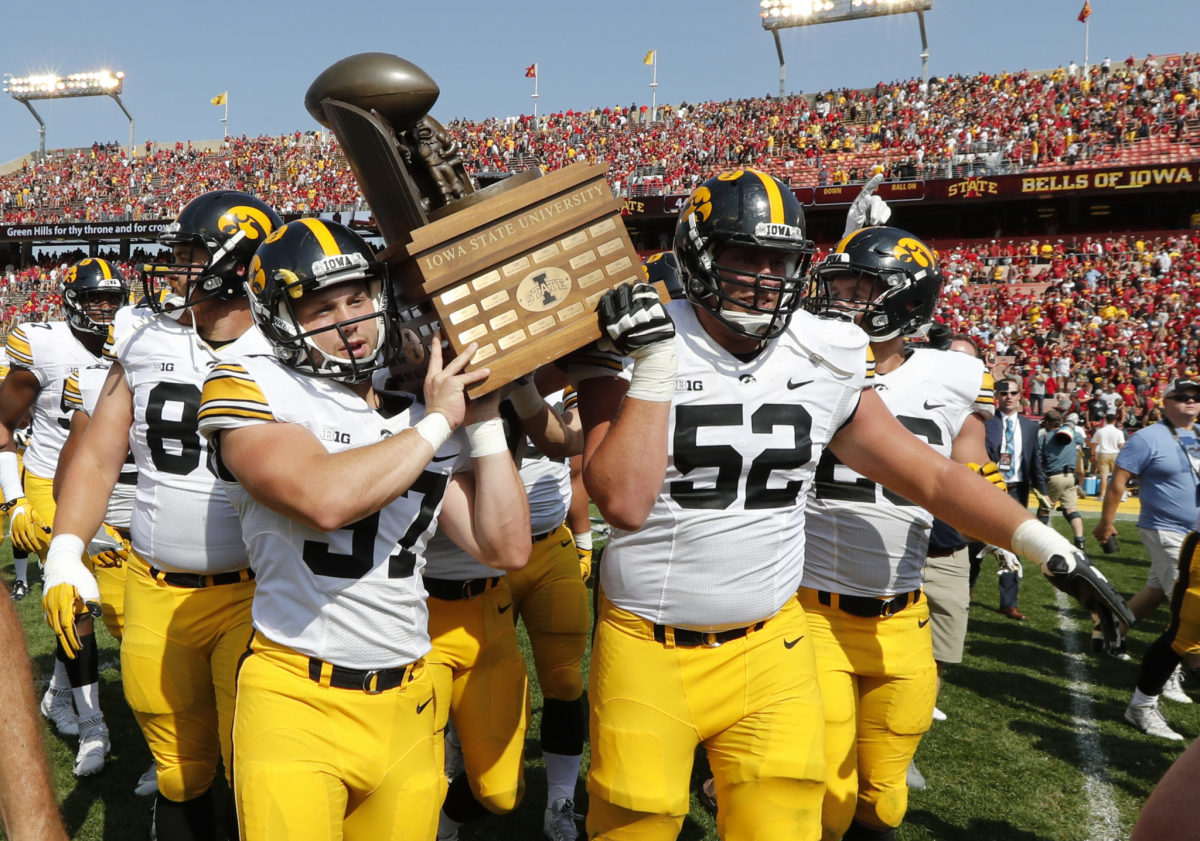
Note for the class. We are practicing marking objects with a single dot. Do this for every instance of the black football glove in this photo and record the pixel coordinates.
(1076, 577)
(632, 318)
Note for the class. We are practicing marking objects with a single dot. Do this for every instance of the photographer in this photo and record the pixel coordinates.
(1058, 446)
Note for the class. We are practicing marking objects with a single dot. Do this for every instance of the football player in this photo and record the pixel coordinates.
(479, 673)
(550, 594)
(701, 460)
(42, 355)
(339, 486)
(188, 583)
(866, 546)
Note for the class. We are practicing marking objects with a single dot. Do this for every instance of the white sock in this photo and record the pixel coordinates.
(562, 772)
(1140, 700)
(21, 569)
(59, 682)
(87, 703)
(583, 542)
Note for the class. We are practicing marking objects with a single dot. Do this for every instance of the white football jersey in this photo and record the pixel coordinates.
(723, 545)
(50, 350)
(80, 393)
(182, 520)
(864, 540)
(352, 597)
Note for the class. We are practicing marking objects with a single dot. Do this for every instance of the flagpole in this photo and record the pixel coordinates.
(654, 89)
(535, 92)
(225, 119)
(1087, 26)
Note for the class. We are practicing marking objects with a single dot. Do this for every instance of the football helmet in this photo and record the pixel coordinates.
(753, 210)
(664, 267)
(883, 278)
(229, 226)
(304, 257)
(88, 285)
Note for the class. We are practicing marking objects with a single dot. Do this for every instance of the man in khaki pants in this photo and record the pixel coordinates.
(1106, 443)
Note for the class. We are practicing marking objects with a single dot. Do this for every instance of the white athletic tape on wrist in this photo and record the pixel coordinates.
(10, 477)
(435, 429)
(583, 542)
(654, 370)
(1038, 542)
(487, 438)
(64, 565)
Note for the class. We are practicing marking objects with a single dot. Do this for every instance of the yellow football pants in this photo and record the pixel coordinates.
(110, 580)
(319, 762)
(1184, 628)
(552, 599)
(479, 677)
(178, 664)
(754, 704)
(879, 682)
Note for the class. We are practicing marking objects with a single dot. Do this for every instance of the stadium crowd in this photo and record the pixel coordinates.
(981, 123)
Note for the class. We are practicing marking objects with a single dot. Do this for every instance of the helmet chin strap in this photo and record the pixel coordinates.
(751, 322)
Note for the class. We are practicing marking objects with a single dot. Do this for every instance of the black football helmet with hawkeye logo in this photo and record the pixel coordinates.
(307, 256)
(883, 278)
(228, 226)
(756, 211)
(92, 290)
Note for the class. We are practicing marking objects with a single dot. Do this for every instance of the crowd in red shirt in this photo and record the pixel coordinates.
(983, 123)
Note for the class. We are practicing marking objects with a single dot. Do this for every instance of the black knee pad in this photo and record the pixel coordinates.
(85, 668)
(1072, 515)
(562, 727)
(460, 803)
(190, 820)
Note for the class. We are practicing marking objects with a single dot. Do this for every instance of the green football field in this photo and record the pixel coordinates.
(1035, 747)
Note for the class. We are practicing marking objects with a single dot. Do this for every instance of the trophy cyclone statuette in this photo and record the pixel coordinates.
(517, 266)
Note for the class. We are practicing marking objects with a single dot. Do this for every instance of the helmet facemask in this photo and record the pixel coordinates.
(220, 276)
(757, 305)
(883, 303)
(300, 348)
(86, 288)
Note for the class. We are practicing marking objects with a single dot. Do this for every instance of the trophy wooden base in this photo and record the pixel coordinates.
(519, 273)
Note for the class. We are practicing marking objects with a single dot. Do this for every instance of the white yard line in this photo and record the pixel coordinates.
(1105, 818)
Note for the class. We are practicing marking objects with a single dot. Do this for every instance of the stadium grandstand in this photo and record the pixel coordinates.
(1033, 185)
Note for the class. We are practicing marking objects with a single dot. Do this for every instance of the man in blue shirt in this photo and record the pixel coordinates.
(1166, 459)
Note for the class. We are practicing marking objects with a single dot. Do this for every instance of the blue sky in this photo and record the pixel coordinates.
(179, 55)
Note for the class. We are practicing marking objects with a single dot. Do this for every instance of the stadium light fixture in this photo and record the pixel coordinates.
(786, 14)
(25, 89)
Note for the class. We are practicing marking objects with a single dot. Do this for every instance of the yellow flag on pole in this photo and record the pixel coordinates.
(649, 59)
(220, 99)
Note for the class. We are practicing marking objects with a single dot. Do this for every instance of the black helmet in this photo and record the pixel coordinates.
(229, 226)
(304, 257)
(901, 289)
(87, 282)
(753, 210)
(664, 267)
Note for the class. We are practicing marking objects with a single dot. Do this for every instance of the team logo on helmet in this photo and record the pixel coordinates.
(910, 250)
(251, 221)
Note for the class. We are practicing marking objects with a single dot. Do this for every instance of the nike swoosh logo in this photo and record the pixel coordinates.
(566, 543)
(445, 458)
(921, 624)
(421, 707)
(790, 645)
(504, 608)
(799, 384)
(929, 405)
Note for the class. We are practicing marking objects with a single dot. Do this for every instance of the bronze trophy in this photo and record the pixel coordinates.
(517, 266)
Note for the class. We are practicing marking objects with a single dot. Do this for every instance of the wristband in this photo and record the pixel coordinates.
(653, 376)
(10, 477)
(487, 438)
(583, 542)
(435, 429)
(527, 400)
(1038, 542)
(64, 547)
